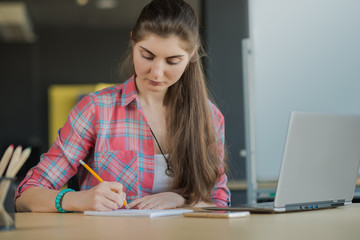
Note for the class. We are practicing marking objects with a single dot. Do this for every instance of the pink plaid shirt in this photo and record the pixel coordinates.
(108, 130)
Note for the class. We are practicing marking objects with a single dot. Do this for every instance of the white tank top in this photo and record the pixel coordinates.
(161, 180)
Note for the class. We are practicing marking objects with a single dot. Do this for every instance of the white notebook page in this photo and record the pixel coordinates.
(138, 212)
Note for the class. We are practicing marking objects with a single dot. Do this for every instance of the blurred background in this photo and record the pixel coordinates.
(265, 59)
(50, 47)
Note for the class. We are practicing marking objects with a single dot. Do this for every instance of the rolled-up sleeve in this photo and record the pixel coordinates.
(74, 141)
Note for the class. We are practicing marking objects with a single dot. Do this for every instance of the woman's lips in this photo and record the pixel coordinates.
(154, 83)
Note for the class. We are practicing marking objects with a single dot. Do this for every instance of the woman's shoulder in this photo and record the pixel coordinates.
(113, 94)
(216, 113)
(108, 92)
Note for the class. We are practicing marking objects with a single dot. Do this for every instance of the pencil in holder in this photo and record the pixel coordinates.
(7, 206)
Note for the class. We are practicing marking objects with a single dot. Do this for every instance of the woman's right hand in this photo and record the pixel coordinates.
(105, 196)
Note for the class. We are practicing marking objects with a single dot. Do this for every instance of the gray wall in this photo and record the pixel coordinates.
(226, 25)
(305, 58)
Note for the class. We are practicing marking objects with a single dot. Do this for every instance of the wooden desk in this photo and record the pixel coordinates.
(340, 223)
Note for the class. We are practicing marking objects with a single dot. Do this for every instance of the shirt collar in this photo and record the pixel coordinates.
(129, 92)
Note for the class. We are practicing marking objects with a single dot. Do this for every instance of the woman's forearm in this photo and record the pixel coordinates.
(37, 199)
(102, 197)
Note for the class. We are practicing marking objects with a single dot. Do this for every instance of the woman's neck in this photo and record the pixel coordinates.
(149, 98)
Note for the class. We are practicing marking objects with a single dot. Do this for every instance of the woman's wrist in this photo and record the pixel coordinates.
(69, 202)
(59, 199)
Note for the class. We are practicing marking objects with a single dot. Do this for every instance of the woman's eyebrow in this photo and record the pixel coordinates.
(176, 56)
(148, 51)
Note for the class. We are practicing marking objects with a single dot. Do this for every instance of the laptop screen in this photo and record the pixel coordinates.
(320, 160)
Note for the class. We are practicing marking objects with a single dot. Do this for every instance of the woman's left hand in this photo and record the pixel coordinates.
(165, 200)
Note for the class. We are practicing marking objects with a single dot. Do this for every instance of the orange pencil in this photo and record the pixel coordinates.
(94, 174)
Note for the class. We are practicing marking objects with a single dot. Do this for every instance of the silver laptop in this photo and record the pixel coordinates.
(320, 164)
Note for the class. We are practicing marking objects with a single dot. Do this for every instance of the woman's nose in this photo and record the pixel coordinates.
(157, 69)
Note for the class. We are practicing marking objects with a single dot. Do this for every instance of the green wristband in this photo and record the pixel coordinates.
(59, 197)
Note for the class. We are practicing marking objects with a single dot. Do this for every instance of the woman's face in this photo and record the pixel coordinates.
(159, 62)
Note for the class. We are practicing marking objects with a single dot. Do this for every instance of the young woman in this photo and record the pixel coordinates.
(156, 140)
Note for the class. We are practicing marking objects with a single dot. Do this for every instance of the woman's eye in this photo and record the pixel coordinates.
(148, 57)
(173, 62)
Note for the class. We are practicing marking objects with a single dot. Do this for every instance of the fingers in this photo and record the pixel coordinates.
(116, 198)
(116, 193)
(108, 196)
(109, 205)
(94, 200)
(120, 196)
(165, 200)
(114, 186)
(148, 202)
(139, 203)
(134, 203)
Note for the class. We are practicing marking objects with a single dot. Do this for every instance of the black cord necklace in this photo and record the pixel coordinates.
(168, 171)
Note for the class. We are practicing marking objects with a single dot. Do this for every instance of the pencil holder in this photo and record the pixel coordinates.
(7, 206)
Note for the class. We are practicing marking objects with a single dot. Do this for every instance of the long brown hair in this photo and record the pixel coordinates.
(193, 146)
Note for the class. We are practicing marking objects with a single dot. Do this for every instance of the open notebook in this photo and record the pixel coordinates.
(138, 212)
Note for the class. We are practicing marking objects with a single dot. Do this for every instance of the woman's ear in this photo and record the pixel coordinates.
(131, 39)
